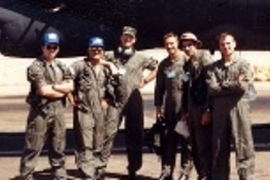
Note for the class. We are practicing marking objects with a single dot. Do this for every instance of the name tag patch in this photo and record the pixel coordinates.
(171, 74)
(184, 77)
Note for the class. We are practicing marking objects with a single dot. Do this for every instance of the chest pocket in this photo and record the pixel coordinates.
(233, 72)
(102, 78)
(228, 73)
(174, 77)
(58, 74)
(86, 81)
(221, 72)
(89, 80)
(53, 73)
(179, 76)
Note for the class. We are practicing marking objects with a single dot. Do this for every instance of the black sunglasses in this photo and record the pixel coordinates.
(96, 48)
(50, 47)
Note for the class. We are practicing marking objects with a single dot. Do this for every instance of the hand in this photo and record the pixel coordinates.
(206, 118)
(73, 103)
(110, 65)
(225, 83)
(158, 112)
(113, 69)
(241, 77)
(104, 62)
(104, 104)
(143, 83)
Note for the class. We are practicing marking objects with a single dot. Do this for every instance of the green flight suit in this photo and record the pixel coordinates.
(231, 118)
(169, 87)
(130, 102)
(90, 117)
(46, 118)
(196, 102)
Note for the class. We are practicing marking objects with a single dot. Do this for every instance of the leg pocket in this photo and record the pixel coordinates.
(35, 132)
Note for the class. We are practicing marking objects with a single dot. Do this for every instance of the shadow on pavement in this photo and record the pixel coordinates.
(73, 174)
(124, 177)
(11, 144)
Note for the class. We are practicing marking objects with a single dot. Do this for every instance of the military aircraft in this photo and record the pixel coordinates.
(22, 22)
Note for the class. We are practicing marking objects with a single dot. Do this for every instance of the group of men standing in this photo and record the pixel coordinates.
(210, 97)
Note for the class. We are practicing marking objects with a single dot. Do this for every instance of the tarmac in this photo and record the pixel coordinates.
(13, 112)
(117, 167)
(13, 109)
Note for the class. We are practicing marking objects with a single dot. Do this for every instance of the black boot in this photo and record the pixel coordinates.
(100, 174)
(29, 177)
(132, 175)
(165, 176)
(60, 173)
(203, 178)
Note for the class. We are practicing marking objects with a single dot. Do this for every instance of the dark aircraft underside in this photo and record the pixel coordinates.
(22, 22)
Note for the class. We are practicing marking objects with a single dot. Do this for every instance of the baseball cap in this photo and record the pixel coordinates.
(129, 30)
(96, 42)
(49, 38)
(191, 37)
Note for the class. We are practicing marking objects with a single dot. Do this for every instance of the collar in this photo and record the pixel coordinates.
(232, 61)
(47, 63)
(178, 57)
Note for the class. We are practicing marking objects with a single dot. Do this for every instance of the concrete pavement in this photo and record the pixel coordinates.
(117, 167)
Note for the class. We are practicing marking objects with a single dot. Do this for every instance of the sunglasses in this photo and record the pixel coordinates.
(50, 47)
(96, 49)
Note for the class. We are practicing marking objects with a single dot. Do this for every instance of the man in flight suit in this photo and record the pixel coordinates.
(91, 78)
(229, 80)
(131, 65)
(49, 83)
(169, 88)
(196, 104)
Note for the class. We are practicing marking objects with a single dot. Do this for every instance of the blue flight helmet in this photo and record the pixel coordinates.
(96, 42)
(50, 38)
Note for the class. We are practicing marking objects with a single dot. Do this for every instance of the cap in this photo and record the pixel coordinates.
(129, 30)
(191, 37)
(51, 38)
(96, 42)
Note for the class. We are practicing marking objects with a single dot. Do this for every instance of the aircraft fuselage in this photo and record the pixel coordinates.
(22, 22)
